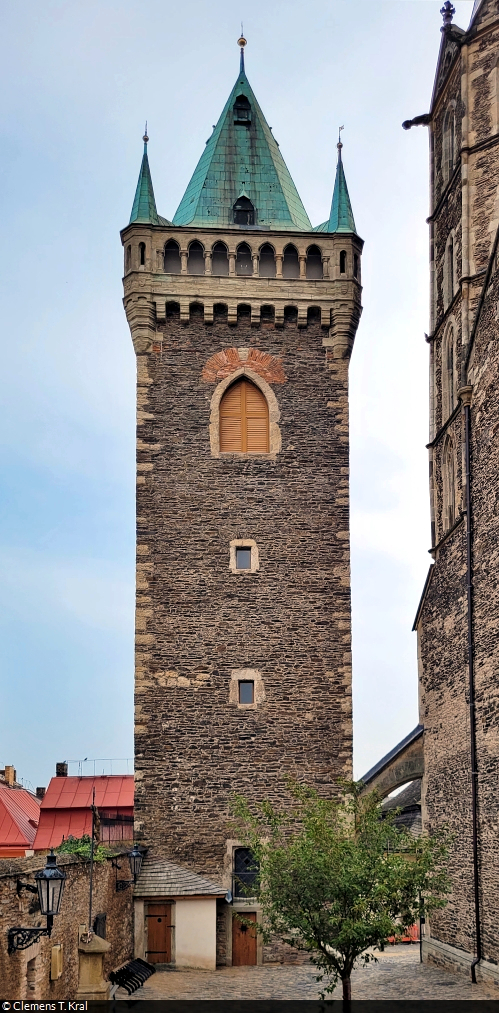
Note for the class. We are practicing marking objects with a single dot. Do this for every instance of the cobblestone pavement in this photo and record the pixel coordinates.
(397, 975)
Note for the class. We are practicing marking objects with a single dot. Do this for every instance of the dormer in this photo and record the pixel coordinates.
(242, 111)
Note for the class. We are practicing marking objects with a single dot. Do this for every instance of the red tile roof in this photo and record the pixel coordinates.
(65, 810)
(111, 791)
(19, 816)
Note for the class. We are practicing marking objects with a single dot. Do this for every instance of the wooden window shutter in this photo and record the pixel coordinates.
(244, 419)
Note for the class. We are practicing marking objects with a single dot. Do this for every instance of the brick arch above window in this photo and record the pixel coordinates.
(225, 363)
(274, 432)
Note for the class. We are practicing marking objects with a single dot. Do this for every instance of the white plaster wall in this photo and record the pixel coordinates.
(196, 933)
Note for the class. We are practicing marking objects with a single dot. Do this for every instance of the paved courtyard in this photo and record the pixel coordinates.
(397, 975)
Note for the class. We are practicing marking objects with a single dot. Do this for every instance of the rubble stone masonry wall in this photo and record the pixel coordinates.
(198, 622)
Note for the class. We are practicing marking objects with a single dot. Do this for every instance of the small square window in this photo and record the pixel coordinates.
(246, 692)
(243, 558)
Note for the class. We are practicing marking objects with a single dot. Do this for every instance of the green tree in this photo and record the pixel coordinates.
(336, 879)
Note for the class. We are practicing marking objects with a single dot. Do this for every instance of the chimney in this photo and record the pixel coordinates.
(61, 770)
(40, 792)
(9, 775)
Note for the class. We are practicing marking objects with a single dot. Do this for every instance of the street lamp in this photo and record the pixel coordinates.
(135, 858)
(50, 888)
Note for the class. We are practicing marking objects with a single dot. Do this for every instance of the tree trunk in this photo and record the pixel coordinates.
(347, 989)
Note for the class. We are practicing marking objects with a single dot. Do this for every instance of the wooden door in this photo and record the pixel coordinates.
(159, 933)
(244, 941)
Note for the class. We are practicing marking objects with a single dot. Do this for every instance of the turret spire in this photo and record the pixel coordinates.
(144, 205)
(341, 217)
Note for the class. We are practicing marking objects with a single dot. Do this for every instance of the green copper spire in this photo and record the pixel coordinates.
(242, 159)
(144, 205)
(341, 218)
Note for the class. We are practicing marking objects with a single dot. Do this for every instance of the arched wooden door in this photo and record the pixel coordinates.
(244, 419)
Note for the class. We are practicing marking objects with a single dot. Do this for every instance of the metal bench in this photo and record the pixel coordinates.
(132, 975)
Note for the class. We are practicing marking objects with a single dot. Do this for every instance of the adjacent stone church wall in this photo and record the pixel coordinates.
(470, 207)
(197, 622)
(32, 966)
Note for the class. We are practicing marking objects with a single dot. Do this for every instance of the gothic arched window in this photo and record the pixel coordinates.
(244, 419)
(448, 279)
(314, 262)
(195, 261)
(220, 260)
(267, 261)
(448, 144)
(290, 262)
(244, 260)
(245, 872)
(448, 485)
(142, 254)
(343, 262)
(448, 374)
(172, 258)
(244, 212)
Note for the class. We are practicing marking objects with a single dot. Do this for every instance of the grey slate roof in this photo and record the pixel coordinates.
(399, 748)
(160, 878)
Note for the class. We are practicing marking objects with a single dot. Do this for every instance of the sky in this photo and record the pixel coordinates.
(78, 80)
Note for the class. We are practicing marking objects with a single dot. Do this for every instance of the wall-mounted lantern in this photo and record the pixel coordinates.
(135, 858)
(50, 888)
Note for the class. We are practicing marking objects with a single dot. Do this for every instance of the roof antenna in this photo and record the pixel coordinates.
(241, 42)
(339, 144)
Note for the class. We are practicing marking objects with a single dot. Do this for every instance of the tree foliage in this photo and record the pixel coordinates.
(336, 878)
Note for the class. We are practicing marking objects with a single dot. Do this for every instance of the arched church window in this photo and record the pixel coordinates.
(242, 111)
(356, 265)
(448, 280)
(267, 261)
(245, 872)
(244, 212)
(448, 144)
(142, 254)
(244, 419)
(244, 260)
(314, 263)
(172, 257)
(195, 260)
(220, 260)
(290, 262)
(343, 262)
(448, 374)
(448, 485)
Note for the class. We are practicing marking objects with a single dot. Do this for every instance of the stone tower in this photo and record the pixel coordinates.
(458, 616)
(243, 318)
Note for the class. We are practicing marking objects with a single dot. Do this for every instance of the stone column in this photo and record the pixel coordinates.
(232, 264)
(207, 262)
(325, 267)
(278, 265)
(255, 265)
(303, 266)
(183, 261)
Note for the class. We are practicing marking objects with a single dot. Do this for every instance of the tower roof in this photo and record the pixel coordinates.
(144, 205)
(242, 159)
(341, 217)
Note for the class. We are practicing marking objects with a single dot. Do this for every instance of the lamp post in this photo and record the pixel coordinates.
(135, 858)
(50, 888)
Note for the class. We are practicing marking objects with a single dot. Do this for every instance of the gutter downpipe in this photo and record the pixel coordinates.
(465, 394)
